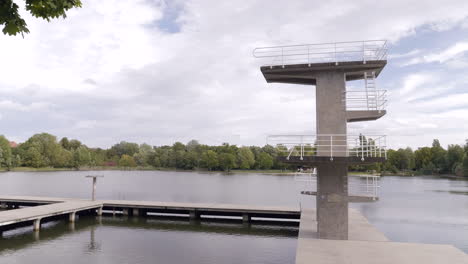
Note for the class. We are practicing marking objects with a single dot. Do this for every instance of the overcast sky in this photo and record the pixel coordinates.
(165, 71)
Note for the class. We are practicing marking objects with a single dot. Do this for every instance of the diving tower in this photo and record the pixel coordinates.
(328, 67)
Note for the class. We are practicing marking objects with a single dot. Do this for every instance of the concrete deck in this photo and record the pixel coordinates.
(366, 245)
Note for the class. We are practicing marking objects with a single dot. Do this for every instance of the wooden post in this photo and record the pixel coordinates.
(37, 224)
(246, 218)
(194, 215)
(72, 217)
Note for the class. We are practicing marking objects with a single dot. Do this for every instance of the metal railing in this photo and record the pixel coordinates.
(364, 185)
(329, 145)
(358, 185)
(366, 100)
(369, 50)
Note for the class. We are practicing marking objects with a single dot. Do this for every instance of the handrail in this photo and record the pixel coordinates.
(364, 51)
(330, 145)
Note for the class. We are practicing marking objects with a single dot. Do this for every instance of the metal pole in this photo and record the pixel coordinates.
(94, 188)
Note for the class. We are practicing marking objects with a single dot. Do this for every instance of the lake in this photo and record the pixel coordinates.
(410, 209)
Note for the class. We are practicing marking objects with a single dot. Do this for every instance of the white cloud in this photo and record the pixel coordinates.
(452, 53)
(10, 105)
(109, 73)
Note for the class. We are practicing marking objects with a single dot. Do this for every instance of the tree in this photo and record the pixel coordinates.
(65, 143)
(123, 148)
(245, 158)
(209, 159)
(81, 157)
(423, 159)
(454, 157)
(13, 23)
(5, 153)
(47, 146)
(145, 155)
(438, 156)
(227, 161)
(265, 161)
(33, 158)
(465, 165)
(127, 161)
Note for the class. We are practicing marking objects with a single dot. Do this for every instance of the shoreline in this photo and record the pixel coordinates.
(271, 171)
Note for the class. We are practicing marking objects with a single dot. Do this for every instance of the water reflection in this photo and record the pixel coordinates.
(112, 239)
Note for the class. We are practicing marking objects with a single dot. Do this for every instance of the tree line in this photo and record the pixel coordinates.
(45, 150)
(425, 160)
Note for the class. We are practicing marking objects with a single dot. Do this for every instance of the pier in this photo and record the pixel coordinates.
(364, 239)
(42, 207)
(35, 214)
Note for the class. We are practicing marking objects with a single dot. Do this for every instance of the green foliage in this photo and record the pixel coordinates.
(47, 147)
(5, 153)
(227, 161)
(245, 158)
(454, 157)
(81, 157)
(127, 161)
(423, 159)
(45, 9)
(209, 159)
(265, 161)
(43, 150)
(465, 165)
(123, 148)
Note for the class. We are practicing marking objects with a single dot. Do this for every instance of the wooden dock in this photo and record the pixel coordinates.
(36, 213)
(33, 208)
(366, 244)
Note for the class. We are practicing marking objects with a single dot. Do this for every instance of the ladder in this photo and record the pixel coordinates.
(372, 95)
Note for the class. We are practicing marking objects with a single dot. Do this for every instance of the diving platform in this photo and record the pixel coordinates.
(303, 64)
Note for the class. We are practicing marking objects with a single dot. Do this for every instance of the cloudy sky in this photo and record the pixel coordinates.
(165, 71)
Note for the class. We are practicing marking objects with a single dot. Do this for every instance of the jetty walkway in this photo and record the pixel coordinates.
(365, 244)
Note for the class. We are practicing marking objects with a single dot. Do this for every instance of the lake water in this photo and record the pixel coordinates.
(410, 209)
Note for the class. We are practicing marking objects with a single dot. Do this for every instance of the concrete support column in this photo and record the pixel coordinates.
(246, 218)
(332, 184)
(37, 224)
(125, 211)
(331, 114)
(136, 212)
(194, 215)
(99, 211)
(332, 201)
(72, 217)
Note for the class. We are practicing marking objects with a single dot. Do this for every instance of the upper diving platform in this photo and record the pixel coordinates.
(300, 64)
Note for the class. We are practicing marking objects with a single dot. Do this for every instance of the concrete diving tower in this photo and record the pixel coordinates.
(328, 66)
(304, 64)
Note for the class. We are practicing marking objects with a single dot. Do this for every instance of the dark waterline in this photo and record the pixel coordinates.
(411, 209)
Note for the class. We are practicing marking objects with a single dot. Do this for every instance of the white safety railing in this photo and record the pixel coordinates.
(329, 145)
(368, 98)
(369, 50)
(358, 185)
(364, 185)
(365, 100)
